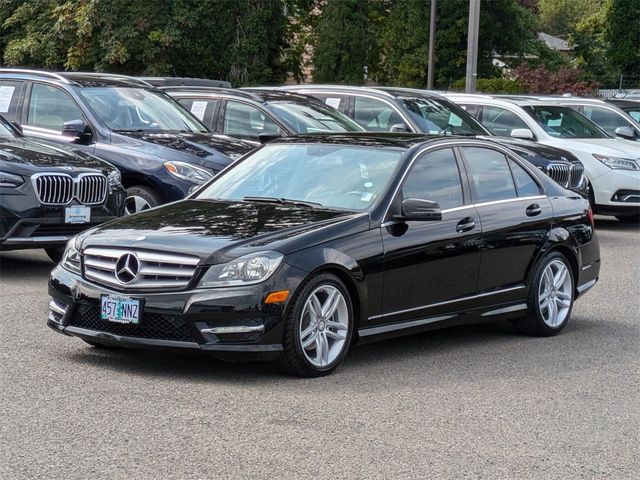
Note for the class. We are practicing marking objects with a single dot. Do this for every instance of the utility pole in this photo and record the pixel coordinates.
(472, 46)
(432, 42)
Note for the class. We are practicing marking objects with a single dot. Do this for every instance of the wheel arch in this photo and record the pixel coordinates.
(559, 240)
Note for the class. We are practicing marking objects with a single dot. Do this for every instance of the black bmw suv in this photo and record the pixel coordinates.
(161, 150)
(49, 193)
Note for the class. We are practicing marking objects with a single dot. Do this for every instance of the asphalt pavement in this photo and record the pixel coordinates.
(472, 402)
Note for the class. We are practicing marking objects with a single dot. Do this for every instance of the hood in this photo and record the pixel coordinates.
(537, 153)
(34, 155)
(603, 146)
(217, 231)
(205, 149)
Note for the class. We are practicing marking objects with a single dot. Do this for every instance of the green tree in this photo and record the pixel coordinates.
(343, 42)
(561, 17)
(622, 35)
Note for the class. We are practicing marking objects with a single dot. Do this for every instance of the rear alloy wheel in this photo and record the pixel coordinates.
(140, 199)
(551, 297)
(319, 328)
(55, 254)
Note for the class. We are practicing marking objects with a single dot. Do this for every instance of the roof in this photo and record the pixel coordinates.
(374, 139)
(499, 99)
(93, 79)
(345, 88)
(554, 43)
(185, 81)
(256, 95)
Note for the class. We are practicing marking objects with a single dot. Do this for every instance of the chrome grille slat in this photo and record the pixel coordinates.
(559, 172)
(157, 270)
(60, 188)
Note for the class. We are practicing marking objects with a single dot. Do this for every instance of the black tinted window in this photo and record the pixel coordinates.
(435, 176)
(375, 115)
(526, 186)
(490, 174)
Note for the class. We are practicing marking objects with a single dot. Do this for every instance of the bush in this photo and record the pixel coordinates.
(540, 80)
(491, 85)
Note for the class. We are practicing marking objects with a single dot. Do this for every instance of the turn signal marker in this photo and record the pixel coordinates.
(277, 297)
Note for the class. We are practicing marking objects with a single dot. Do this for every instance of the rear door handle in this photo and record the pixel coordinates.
(465, 225)
(533, 210)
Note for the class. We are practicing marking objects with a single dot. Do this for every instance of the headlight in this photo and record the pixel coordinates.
(618, 163)
(188, 172)
(10, 180)
(71, 257)
(246, 270)
(114, 178)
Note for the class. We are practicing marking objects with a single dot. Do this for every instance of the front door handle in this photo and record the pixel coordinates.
(465, 225)
(533, 210)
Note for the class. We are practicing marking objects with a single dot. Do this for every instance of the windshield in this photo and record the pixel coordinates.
(332, 176)
(564, 122)
(436, 117)
(5, 129)
(313, 118)
(128, 109)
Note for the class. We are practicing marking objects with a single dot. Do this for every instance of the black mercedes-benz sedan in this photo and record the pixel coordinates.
(49, 193)
(312, 244)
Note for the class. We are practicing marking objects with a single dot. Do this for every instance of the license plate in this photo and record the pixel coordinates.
(77, 214)
(120, 309)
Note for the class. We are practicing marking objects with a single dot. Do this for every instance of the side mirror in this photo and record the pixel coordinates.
(267, 137)
(400, 128)
(523, 133)
(625, 132)
(420, 210)
(17, 126)
(78, 130)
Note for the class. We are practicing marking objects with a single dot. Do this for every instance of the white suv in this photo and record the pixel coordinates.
(612, 165)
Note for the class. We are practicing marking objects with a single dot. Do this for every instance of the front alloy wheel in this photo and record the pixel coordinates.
(318, 327)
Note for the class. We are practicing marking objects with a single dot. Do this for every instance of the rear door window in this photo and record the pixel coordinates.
(489, 174)
(50, 108)
(339, 102)
(10, 98)
(202, 109)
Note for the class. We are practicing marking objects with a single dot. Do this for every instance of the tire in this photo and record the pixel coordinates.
(55, 254)
(331, 334)
(630, 219)
(540, 320)
(140, 198)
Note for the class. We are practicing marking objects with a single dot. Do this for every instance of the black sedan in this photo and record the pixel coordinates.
(311, 244)
(49, 193)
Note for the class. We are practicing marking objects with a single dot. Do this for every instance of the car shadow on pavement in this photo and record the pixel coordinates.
(429, 351)
(611, 224)
(22, 265)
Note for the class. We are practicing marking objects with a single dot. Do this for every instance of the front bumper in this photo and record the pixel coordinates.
(617, 192)
(180, 321)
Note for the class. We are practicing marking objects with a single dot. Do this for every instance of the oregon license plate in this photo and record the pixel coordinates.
(77, 214)
(120, 309)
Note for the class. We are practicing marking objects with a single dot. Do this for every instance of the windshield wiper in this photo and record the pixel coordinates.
(128, 130)
(288, 201)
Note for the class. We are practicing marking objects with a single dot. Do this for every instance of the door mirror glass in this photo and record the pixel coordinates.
(400, 128)
(420, 210)
(523, 133)
(77, 130)
(625, 132)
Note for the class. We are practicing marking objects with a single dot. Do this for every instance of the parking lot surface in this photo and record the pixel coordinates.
(472, 402)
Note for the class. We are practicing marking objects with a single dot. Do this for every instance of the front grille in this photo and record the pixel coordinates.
(568, 176)
(152, 325)
(91, 189)
(60, 188)
(146, 269)
(54, 189)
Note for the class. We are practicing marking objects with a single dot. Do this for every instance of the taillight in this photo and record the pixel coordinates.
(590, 216)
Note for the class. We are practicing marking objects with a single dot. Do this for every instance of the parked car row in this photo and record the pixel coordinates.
(315, 218)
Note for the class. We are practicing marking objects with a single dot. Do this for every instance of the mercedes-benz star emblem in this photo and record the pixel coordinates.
(127, 268)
